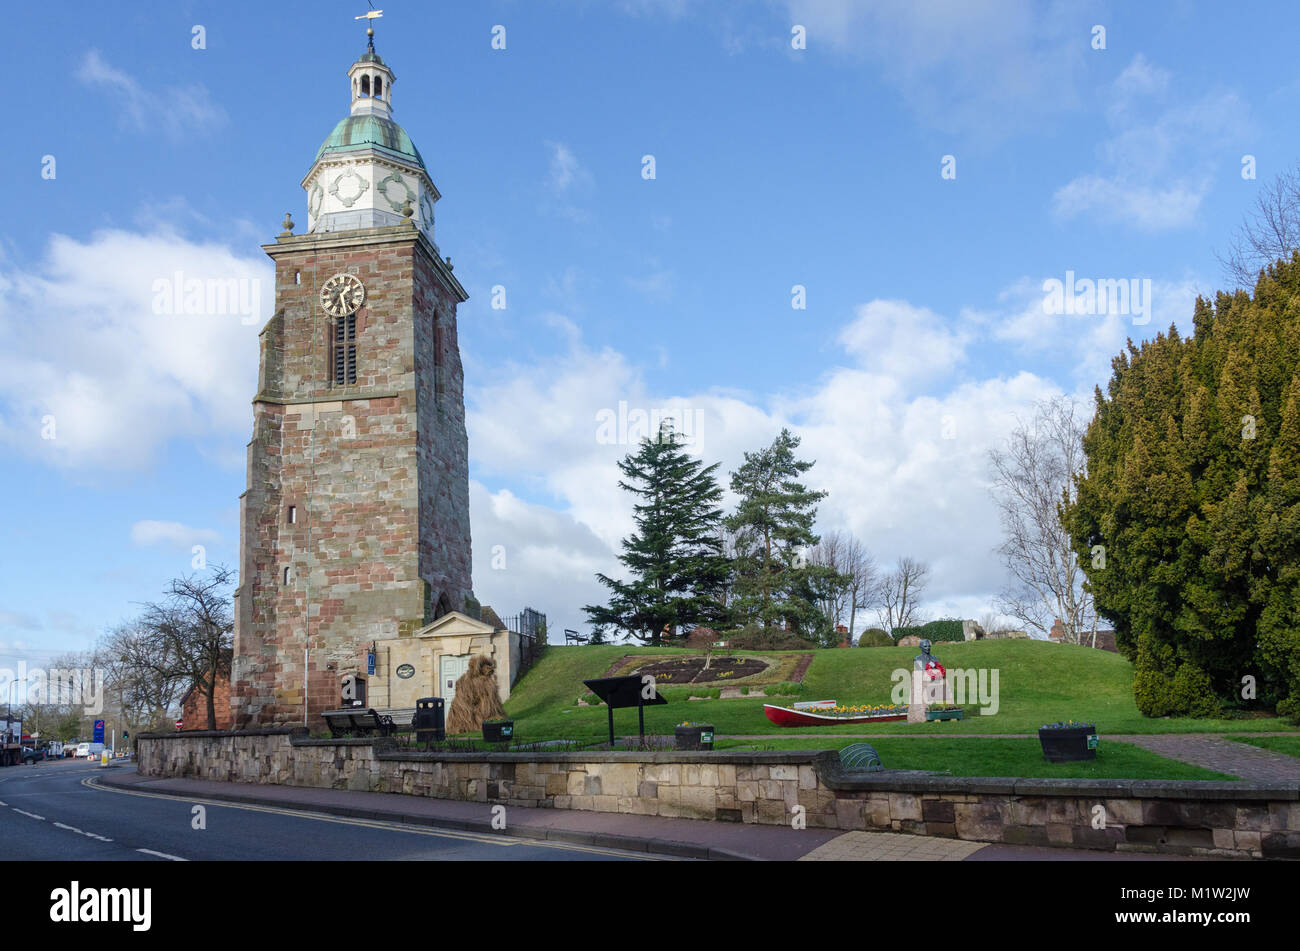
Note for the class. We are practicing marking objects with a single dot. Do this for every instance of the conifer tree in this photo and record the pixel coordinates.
(1188, 519)
(773, 525)
(674, 558)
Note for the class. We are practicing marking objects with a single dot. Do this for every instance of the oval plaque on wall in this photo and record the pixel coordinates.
(406, 671)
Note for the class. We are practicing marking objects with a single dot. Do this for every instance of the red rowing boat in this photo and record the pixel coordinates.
(785, 716)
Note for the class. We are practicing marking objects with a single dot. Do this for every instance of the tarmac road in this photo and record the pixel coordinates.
(54, 811)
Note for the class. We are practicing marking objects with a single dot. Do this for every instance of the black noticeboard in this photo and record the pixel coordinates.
(619, 692)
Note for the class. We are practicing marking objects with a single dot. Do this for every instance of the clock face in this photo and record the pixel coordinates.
(342, 294)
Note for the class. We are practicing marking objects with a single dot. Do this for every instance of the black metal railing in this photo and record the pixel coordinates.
(530, 626)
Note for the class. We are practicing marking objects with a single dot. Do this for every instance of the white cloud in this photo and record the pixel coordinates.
(528, 555)
(969, 66)
(902, 342)
(87, 351)
(1086, 343)
(568, 183)
(172, 535)
(565, 170)
(1157, 161)
(1147, 207)
(176, 110)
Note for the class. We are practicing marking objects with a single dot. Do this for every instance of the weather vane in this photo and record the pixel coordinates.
(370, 16)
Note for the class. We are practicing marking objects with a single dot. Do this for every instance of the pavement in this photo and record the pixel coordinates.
(651, 835)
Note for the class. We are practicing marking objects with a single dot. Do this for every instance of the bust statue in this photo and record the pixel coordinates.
(922, 660)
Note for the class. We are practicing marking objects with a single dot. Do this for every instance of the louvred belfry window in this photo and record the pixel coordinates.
(343, 355)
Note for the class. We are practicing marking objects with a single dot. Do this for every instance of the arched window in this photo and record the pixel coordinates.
(443, 606)
(365, 85)
(343, 350)
(379, 87)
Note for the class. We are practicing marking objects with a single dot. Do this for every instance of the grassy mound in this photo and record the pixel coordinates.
(1038, 683)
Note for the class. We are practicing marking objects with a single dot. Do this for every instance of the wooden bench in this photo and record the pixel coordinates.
(358, 721)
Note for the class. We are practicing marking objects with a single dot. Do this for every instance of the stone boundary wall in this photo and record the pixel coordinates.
(1227, 819)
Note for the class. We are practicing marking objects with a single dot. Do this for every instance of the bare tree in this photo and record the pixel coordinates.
(144, 675)
(865, 583)
(858, 585)
(900, 593)
(732, 549)
(1271, 230)
(1033, 477)
(55, 709)
(831, 552)
(189, 635)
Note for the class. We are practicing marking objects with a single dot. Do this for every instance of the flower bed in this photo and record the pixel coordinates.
(829, 713)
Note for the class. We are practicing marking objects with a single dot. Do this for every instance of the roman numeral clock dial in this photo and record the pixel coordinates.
(342, 294)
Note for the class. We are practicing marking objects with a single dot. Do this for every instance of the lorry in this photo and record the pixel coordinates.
(11, 741)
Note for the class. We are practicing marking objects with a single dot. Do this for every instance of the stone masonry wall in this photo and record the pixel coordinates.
(1222, 819)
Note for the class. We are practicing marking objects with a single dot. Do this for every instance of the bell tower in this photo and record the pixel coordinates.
(354, 526)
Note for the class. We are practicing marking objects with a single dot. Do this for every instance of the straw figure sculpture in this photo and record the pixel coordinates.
(476, 697)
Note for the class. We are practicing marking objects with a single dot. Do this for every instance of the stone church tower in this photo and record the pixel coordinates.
(355, 523)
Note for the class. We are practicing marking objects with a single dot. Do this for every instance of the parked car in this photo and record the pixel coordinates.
(31, 755)
(89, 750)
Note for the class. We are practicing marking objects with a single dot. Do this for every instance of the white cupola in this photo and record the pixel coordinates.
(372, 83)
(368, 173)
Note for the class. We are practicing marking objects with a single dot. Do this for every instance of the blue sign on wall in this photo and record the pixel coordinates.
(370, 663)
(99, 732)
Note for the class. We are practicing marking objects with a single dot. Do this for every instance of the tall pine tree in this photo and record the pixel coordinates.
(674, 557)
(773, 525)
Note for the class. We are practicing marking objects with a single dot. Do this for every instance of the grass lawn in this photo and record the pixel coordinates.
(1038, 682)
(1023, 758)
(1278, 744)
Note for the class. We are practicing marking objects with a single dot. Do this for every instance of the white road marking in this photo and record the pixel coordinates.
(31, 814)
(495, 839)
(163, 855)
(5, 804)
(91, 835)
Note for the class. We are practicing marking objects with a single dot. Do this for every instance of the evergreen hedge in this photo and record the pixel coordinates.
(944, 629)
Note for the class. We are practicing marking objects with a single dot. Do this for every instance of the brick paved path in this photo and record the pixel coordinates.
(1213, 751)
(891, 847)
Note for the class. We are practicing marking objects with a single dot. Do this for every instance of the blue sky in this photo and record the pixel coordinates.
(775, 167)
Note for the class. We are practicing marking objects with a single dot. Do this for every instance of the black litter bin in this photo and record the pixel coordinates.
(430, 720)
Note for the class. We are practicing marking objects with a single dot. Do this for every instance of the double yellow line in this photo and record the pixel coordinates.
(501, 841)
